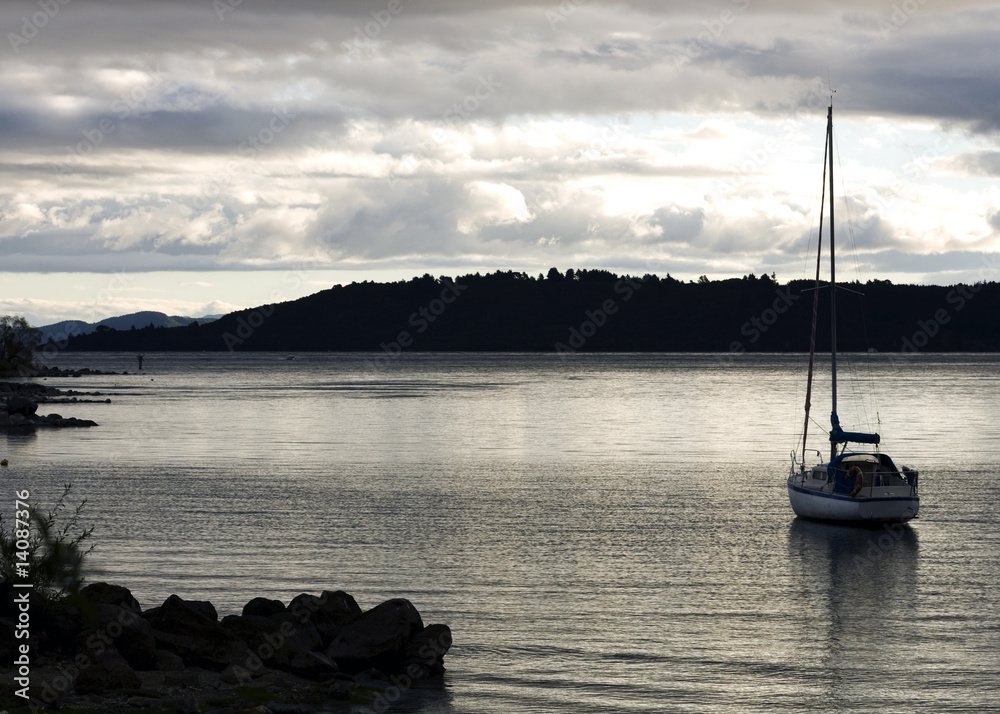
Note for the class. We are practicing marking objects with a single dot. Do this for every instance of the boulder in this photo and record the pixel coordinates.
(275, 639)
(73, 421)
(427, 648)
(373, 679)
(107, 594)
(106, 670)
(191, 631)
(262, 607)
(341, 687)
(141, 702)
(176, 610)
(328, 613)
(58, 626)
(131, 635)
(17, 404)
(167, 661)
(284, 708)
(127, 632)
(236, 675)
(312, 665)
(376, 639)
(187, 703)
(189, 677)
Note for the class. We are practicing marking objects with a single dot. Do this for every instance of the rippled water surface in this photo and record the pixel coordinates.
(604, 533)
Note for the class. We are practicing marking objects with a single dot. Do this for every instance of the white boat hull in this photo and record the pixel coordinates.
(881, 506)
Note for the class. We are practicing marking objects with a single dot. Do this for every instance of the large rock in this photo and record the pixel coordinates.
(427, 648)
(177, 610)
(236, 675)
(376, 639)
(57, 626)
(329, 612)
(107, 594)
(17, 404)
(313, 665)
(275, 640)
(127, 632)
(191, 631)
(106, 669)
(262, 607)
(168, 662)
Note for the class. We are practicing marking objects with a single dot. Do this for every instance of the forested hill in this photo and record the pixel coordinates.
(588, 310)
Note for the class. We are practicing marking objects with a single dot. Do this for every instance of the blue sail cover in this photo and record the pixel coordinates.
(839, 436)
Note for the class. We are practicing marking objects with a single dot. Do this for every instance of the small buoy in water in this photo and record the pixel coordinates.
(3, 462)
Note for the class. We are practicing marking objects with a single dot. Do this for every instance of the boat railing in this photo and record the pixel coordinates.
(844, 484)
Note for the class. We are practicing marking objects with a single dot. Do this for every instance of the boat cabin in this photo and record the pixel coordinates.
(877, 470)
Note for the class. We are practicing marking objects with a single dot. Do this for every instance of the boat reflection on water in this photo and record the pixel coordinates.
(858, 589)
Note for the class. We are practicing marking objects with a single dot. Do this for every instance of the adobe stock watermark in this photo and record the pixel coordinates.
(127, 105)
(957, 299)
(294, 277)
(224, 7)
(247, 323)
(610, 133)
(756, 326)
(900, 15)
(31, 26)
(929, 328)
(420, 320)
(596, 319)
(249, 148)
(461, 110)
(879, 547)
(95, 645)
(363, 41)
(714, 29)
(757, 158)
(563, 12)
(755, 161)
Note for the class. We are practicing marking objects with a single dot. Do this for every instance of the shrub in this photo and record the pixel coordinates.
(56, 551)
(18, 341)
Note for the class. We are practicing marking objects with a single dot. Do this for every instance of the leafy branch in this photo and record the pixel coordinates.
(57, 547)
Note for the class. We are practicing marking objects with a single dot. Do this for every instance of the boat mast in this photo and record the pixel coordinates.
(815, 311)
(833, 284)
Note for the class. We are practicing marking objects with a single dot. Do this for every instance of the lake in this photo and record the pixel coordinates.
(602, 532)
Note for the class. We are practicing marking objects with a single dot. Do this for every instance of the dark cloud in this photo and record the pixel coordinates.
(144, 133)
(982, 163)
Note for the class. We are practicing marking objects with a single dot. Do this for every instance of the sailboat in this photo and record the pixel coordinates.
(862, 486)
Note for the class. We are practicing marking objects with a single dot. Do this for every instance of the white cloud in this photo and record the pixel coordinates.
(491, 135)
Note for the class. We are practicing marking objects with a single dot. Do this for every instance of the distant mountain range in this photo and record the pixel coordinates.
(59, 331)
(587, 310)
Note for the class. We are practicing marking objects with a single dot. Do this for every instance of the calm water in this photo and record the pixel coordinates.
(609, 533)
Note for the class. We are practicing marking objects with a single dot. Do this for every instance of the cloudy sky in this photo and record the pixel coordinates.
(198, 156)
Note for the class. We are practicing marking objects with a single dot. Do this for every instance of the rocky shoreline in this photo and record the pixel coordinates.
(19, 405)
(316, 654)
(35, 372)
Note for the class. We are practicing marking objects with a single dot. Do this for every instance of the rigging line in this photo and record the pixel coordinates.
(819, 260)
(869, 376)
(807, 260)
(850, 220)
(801, 389)
(819, 427)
